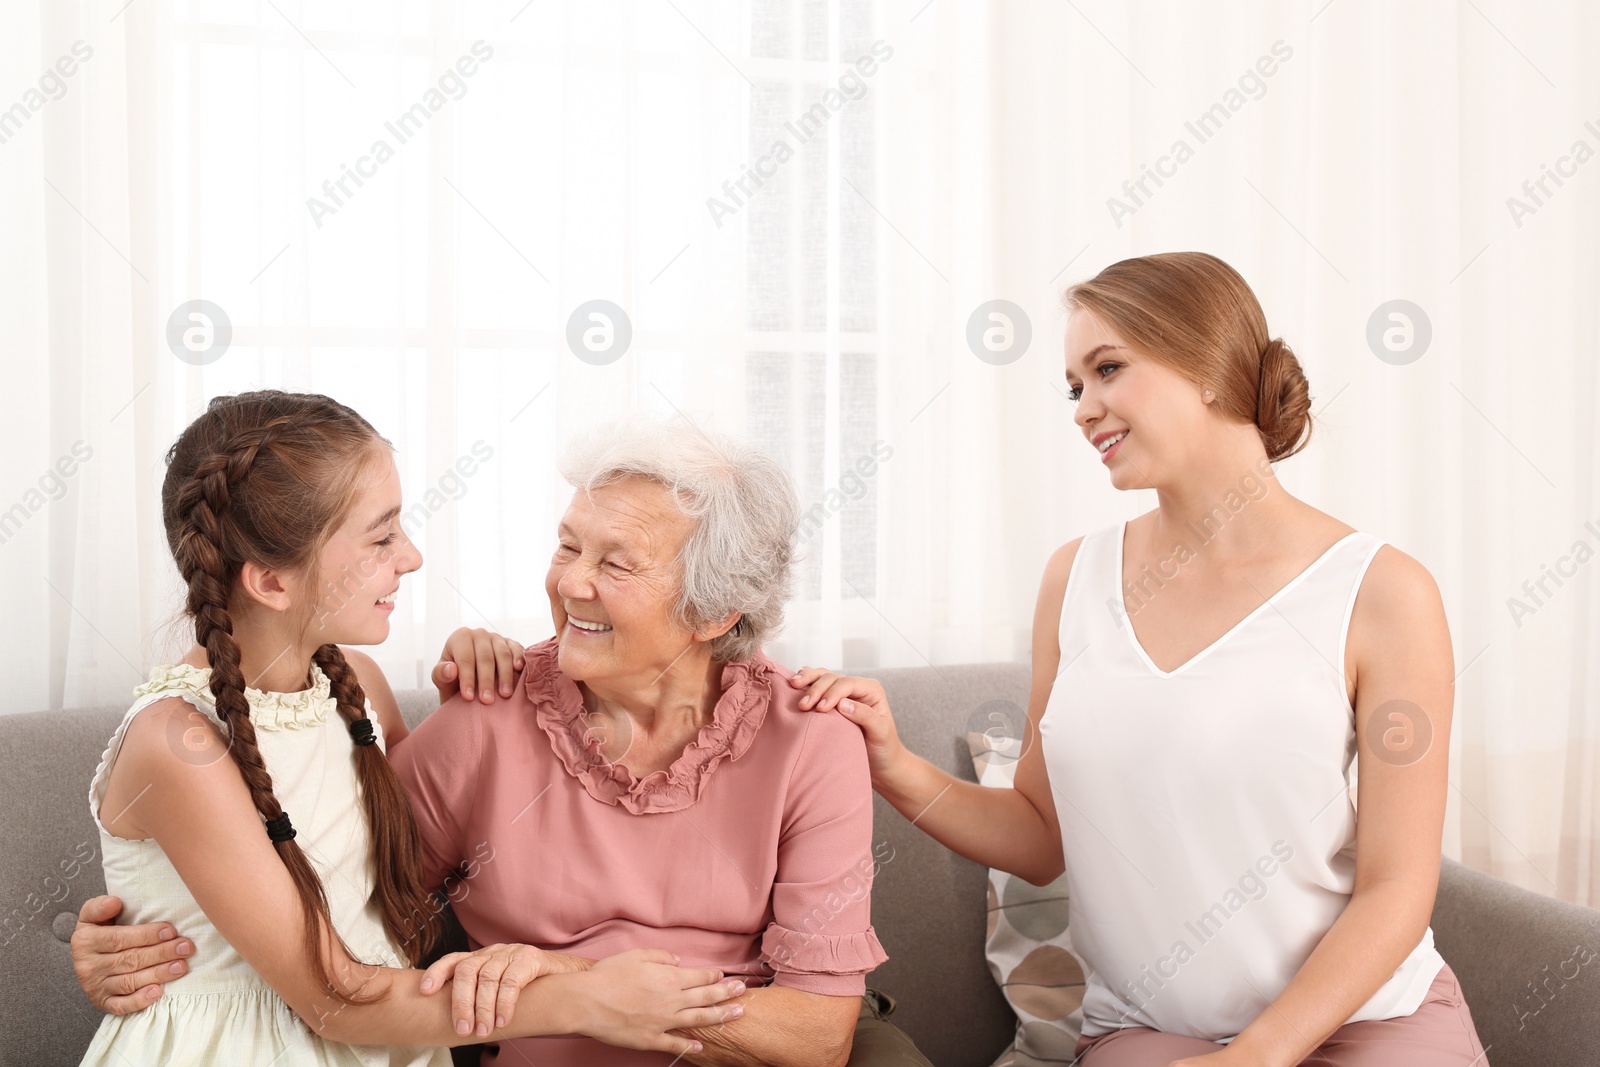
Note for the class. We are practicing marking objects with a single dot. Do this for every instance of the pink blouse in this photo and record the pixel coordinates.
(751, 853)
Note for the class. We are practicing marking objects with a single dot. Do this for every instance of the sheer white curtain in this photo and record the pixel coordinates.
(800, 205)
(410, 210)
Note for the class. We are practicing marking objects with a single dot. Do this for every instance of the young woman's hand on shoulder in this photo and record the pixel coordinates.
(863, 702)
(1014, 829)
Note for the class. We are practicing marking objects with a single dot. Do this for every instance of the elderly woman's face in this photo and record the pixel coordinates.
(613, 582)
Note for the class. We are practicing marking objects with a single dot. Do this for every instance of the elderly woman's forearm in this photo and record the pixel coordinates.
(997, 827)
(781, 1027)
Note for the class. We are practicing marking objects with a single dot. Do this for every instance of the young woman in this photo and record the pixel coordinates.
(246, 796)
(1202, 677)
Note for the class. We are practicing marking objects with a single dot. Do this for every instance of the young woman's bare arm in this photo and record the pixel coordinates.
(1014, 830)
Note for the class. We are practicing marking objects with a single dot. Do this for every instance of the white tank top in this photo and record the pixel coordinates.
(1206, 814)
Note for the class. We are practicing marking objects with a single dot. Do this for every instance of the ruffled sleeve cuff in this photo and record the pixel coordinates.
(831, 964)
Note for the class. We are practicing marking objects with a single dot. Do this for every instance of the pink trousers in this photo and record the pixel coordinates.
(1438, 1034)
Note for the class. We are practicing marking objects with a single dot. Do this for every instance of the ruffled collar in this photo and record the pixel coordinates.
(268, 711)
(747, 688)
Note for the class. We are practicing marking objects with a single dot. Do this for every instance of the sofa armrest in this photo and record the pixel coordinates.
(1529, 966)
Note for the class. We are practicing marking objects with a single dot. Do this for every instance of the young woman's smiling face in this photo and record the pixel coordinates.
(1122, 392)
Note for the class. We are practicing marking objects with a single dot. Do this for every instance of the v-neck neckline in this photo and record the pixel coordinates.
(1138, 647)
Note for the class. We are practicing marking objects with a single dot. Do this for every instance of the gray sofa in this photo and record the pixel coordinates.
(1517, 953)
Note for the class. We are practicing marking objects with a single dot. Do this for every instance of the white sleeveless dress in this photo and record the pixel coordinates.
(1206, 812)
(222, 1012)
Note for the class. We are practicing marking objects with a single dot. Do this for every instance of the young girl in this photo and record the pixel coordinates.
(247, 797)
(1202, 677)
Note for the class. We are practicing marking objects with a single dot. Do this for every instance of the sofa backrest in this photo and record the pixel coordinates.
(1527, 963)
(929, 905)
(51, 865)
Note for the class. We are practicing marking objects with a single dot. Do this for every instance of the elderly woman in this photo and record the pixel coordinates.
(652, 781)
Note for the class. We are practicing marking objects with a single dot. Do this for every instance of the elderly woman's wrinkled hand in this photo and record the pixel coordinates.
(476, 663)
(488, 981)
(863, 702)
(122, 968)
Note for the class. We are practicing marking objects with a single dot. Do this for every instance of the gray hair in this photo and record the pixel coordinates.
(740, 554)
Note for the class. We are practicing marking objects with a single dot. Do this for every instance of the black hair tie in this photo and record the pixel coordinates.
(279, 829)
(361, 732)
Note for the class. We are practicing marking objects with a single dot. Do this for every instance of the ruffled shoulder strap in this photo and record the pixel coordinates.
(176, 680)
(305, 709)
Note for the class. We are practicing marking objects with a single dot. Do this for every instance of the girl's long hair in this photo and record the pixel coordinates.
(267, 477)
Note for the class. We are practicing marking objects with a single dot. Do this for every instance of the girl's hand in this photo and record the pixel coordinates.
(488, 981)
(473, 661)
(863, 702)
(637, 997)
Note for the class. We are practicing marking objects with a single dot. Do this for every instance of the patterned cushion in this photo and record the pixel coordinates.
(1029, 947)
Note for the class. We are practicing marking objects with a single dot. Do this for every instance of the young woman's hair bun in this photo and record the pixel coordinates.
(1283, 402)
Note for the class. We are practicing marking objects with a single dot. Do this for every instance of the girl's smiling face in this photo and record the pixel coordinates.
(360, 567)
